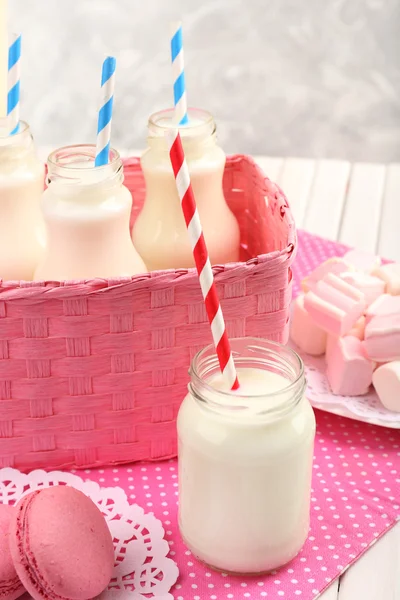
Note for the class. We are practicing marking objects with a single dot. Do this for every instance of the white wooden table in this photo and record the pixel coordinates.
(359, 205)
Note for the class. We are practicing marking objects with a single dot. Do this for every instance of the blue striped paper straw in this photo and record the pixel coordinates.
(105, 112)
(14, 77)
(178, 73)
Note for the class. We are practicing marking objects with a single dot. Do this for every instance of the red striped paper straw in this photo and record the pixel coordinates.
(200, 253)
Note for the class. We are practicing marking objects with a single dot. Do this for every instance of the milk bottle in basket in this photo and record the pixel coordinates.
(87, 211)
(21, 187)
(159, 233)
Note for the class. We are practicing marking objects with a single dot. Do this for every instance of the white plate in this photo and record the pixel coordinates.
(367, 408)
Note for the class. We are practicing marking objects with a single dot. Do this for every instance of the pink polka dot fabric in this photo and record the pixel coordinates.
(355, 497)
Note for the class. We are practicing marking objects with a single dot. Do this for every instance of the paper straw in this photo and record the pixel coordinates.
(178, 73)
(201, 258)
(3, 60)
(105, 112)
(14, 86)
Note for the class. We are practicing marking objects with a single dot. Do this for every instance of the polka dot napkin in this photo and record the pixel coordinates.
(355, 497)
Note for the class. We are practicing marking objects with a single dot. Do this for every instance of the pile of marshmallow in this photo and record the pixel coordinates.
(350, 311)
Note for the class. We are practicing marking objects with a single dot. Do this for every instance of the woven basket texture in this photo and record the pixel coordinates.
(93, 372)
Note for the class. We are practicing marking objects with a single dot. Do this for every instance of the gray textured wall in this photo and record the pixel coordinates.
(282, 77)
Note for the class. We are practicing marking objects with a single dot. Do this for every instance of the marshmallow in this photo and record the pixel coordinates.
(304, 332)
(372, 287)
(382, 337)
(330, 345)
(384, 305)
(386, 380)
(334, 305)
(358, 329)
(348, 371)
(390, 274)
(363, 261)
(335, 265)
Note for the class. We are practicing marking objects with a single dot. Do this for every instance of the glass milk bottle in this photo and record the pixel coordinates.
(21, 223)
(159, 233)
(87, 211)
(245, 459)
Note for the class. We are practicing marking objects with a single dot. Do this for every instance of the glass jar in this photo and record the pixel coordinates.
(87, 212)
(245, 459)
(159, 233)
(21, 223)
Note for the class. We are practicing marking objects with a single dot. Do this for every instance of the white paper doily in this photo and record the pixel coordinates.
(142, 571)
(367, 408)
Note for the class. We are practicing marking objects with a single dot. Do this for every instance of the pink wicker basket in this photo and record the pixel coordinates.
(93, 372)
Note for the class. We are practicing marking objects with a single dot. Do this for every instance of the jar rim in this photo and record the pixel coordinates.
(294, 389)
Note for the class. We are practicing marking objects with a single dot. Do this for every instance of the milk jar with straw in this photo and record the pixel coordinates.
(21, 184)
(159, 233)
(245, 436)
(87, 208)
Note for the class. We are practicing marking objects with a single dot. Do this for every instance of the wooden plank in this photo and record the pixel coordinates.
(376, 575)
(271, 165)
(389, 233)
(296, 181)
(362, 211)
(327, 198)
(331, 593)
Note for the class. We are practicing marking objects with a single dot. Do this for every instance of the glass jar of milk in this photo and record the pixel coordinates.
(245, 459)
(87, 212)
(21, 223)
(160, 233)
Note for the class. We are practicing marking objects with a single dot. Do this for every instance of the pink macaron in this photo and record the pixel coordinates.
(10, 584)
(61, 545)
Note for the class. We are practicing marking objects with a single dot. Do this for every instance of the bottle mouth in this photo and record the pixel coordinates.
(201, 124)
(80, 156)
(254, 353)
(76, 165)
(6, 138)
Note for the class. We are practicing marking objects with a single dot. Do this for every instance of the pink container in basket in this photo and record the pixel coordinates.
(93, 372)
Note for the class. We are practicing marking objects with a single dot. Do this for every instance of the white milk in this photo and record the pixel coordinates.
(160, 234)
(87, 212)
(245, 463)
(21, 223)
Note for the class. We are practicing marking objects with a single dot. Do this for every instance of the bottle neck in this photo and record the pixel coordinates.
(72, 170)
(250, 354)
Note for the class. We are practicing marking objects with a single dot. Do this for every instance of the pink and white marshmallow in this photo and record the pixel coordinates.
(386, 380)
(335, 265)
(372, 287)
(384, 305)
(334, 305)
(304, 332)
(349, 371)
(390, 274)
(382, 337)
(358, 329)
(363, 261)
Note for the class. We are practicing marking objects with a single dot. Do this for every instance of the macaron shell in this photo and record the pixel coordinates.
(10, 585)
(61, 547)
